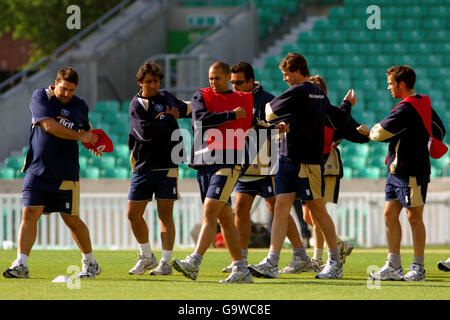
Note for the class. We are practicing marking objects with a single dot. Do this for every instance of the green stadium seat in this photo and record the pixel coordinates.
(340, 85)
(104, 162)
(392, 12)
(386, 36)
(408, 24)
(367, 117)
(431, 60)
(115, 173)
(273, 61)
(194, 3)
(325, 25)
(95, 118)
(356, 149)
(83, 161)
(380, 61)
(350, 61)
(395, 48)
(361, 36)
(424, 48)
(116, 119)
(434, 24)
(337, 73)
(442, 48)
(436, 172)
(348, 172)
(438, 73)
(221, 3)
(423, 85)
(295, 47)
(440, 11)
(309, 37)
(345, 48)
(125, 106)
(319, 48)
(19, 174)
(442, 36)
(7, 173)
(90, 173)
(436, 94)
(326, 61)
(378, 148)
(15, 162)
(335, 36)
(370, 48)
(354, 162)
(353, 24)
(340, 13)
(368, 173)
(376, 161)
(107, 106)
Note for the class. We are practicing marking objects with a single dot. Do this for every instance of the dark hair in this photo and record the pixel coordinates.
(149, 68)
(403, 73)
(221, 65)
(68, 74)
(294, 62)
(244, 67)
(320, 82)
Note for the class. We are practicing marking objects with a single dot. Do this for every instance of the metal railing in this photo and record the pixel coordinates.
(358, 217)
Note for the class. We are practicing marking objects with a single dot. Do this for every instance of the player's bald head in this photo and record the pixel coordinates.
(222, 66)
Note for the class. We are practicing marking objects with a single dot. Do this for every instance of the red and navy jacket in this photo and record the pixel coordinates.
(408, 138)
(219, 138)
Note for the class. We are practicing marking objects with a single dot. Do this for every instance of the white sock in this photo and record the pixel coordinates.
(89, 257)
(145, 249)
(318, 253)
(167, 255)
(22, 259)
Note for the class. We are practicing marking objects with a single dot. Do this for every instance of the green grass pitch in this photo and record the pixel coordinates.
(114, 283)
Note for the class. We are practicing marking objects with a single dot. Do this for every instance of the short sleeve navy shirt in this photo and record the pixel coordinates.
(49, 156)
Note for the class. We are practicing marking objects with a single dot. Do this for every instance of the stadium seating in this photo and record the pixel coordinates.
(348, 55)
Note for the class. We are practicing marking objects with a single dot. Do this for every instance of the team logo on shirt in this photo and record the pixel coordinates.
(65, 112)
(65, 122)
(159, 108)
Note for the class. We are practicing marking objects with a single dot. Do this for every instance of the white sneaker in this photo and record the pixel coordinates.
(144, 264)
(444, 265)
(228, 269)
(387, 272)
(187, 267)
(415, 274)
(237, 276)
(345, 248)
(16, 271)
(317, 265)
(164, 269)
(297, 265)
(332, 270)
(89, 270)
(264, 269)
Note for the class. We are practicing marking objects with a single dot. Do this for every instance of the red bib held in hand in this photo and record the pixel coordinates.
(104, 143)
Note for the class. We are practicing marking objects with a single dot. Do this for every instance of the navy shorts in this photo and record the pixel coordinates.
(55, 195)
(409, 191)
(162, 183)
(217, 182)
(264, 187)
(306, 180)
